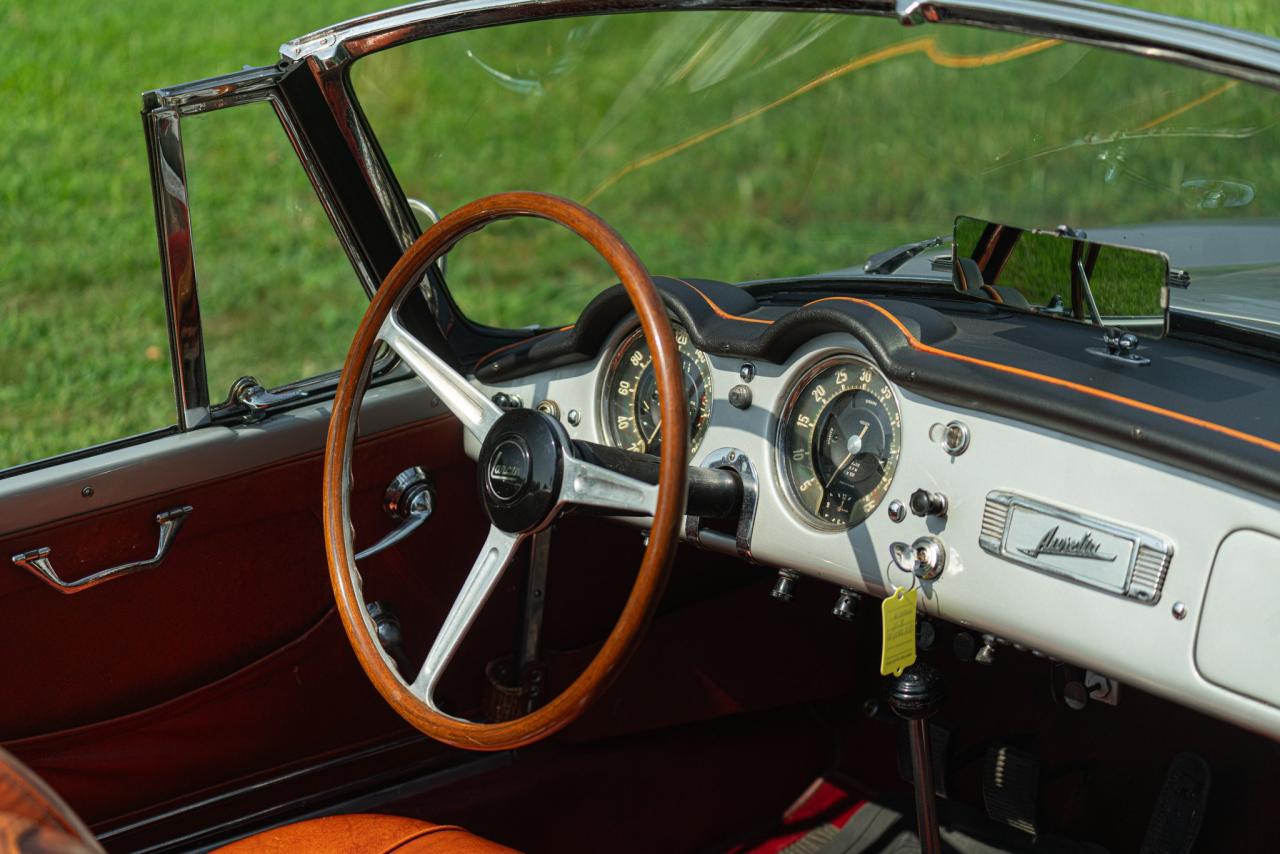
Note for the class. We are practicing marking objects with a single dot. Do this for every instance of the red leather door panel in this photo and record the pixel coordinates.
(225, 660)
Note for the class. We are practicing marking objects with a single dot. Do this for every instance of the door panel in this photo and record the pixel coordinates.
(226, 660)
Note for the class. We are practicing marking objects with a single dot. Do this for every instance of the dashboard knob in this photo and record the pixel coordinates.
(926, 503)
(846, 604)
(986, 653)
(784, 587)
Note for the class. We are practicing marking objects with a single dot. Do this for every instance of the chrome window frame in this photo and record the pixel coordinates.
(163, 111)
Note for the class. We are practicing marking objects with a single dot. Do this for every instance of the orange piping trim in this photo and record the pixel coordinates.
(1082, 389)
(506, 347)
(720, 312)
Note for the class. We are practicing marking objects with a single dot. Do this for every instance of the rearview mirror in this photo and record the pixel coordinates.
(1062, 274)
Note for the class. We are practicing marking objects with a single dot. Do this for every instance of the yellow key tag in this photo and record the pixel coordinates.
(898, 619)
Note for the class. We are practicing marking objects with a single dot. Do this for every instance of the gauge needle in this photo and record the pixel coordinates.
(648, 440)
(855, 448)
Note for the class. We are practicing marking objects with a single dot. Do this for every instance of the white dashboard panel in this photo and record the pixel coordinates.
(1241, 617)
(1141, 644)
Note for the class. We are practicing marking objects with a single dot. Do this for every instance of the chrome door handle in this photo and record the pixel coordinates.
(411, 499)
(37, 561)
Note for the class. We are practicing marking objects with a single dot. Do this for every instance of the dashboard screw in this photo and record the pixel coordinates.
(897, 511)
(87, 492)
(747, 372)
(574, 417)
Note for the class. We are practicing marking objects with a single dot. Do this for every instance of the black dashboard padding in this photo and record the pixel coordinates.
(583, 340)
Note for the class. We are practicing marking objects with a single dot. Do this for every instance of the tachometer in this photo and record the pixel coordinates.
(632, 419)
(839, 439)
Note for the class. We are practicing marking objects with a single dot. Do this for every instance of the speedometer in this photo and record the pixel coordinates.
(838, 443)
(632, 419)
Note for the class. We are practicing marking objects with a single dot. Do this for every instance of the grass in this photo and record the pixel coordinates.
(871, 158)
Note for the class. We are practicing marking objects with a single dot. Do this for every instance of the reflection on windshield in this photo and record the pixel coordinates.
(748, 145)
(927, 46)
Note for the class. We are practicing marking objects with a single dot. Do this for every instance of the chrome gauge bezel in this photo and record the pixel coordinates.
(795, 388)
(608, 431)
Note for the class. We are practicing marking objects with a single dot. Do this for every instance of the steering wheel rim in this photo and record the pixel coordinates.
(576, 481)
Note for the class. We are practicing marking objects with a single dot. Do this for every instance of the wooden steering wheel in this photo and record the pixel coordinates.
(527, 472)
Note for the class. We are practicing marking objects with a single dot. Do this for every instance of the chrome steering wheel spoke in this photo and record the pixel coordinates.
(486, 572)
(476, 411)
(590, 485)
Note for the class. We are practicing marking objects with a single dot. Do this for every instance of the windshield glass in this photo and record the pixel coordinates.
(750, 145)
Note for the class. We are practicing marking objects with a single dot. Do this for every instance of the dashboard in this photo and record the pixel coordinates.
(1045, 540)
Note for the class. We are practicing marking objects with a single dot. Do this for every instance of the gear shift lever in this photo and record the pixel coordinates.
(915, 696)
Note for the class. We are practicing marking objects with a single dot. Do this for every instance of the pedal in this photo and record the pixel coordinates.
(939, 743)
(1011, 787)
(1175, 822)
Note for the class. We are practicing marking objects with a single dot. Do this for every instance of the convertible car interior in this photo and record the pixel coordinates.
(656, 504)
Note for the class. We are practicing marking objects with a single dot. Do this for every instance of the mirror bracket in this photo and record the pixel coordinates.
(1121, 347)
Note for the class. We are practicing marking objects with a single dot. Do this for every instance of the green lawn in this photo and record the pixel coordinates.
(83, 351)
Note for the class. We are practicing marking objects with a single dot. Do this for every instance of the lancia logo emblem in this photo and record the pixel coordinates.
(1052, 544)
(508, 470)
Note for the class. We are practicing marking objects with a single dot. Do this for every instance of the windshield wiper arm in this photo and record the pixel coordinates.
(883, 263)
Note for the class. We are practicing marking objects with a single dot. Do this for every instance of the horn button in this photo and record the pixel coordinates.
(519, 470)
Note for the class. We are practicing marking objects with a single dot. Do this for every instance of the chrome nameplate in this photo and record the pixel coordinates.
(1052, 544)
(1079, 548)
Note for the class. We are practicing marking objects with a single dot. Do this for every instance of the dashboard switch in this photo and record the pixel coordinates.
(784, 587)
(846, 604)
(926, 503)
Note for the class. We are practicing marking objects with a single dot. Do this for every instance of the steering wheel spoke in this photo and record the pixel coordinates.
(590, 485)
(476, 411)
(485, 574)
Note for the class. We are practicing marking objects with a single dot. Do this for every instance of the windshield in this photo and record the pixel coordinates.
(751, 145)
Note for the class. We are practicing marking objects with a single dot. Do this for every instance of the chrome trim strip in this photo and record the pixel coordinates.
(1144, 571)
(1215, 48)
(214, 93)
(173, 228)
(324, 192)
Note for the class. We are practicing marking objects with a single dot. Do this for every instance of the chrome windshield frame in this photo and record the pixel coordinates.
(326, 55)
(329, 53)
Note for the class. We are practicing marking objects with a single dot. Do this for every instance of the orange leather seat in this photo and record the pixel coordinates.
(33, 818)
(366, 834)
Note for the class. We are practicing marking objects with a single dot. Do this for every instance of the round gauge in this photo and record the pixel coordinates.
(632, 419)
(838, 441)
